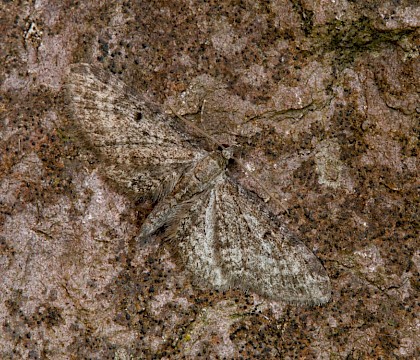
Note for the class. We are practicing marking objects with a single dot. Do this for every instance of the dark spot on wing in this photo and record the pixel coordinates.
(139, 116)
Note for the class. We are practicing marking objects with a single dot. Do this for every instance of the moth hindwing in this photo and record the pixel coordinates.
(223, 237)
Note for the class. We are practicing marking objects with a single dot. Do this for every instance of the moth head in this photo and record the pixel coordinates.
(228, 152)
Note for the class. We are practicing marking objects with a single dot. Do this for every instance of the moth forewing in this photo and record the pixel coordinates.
(141, 155)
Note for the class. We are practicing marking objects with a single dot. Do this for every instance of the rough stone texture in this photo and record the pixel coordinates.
(322, 98)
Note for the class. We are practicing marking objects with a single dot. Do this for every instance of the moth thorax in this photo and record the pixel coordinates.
(209, 167)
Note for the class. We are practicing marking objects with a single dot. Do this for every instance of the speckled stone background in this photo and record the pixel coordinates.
(323, 99)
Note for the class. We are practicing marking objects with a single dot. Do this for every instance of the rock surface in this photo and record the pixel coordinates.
(322, 97)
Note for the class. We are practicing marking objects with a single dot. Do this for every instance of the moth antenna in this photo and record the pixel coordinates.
(202, 110)
(196, 128)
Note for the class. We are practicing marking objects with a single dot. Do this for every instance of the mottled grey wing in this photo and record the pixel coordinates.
(228, 242)
(139, 148)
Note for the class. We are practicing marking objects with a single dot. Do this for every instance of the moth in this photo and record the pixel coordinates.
(224, 236)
